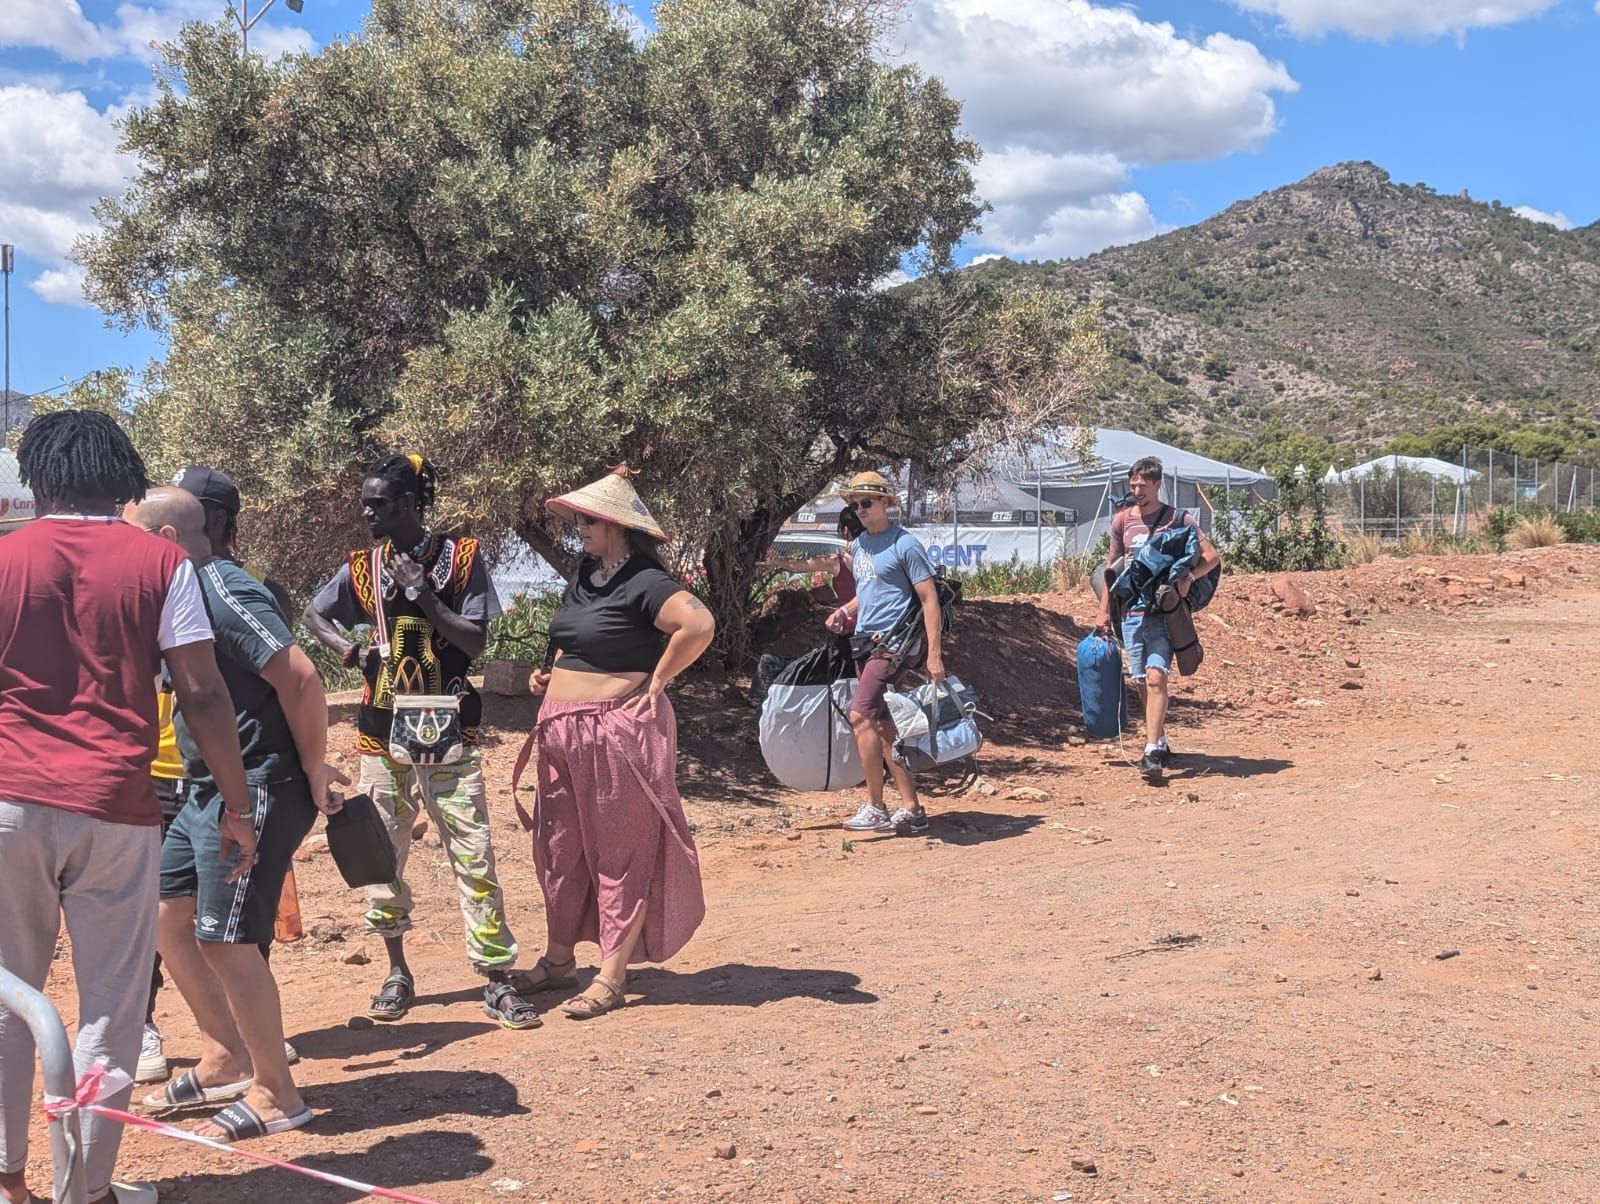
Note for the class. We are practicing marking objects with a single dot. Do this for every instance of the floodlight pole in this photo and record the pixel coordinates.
(246, 22)
(8, 258)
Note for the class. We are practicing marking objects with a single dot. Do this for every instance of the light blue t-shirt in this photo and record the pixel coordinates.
(887, 567)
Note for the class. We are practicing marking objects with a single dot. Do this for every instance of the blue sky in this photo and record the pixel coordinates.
(1101, 123)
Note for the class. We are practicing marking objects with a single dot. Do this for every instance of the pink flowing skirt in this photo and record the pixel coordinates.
(609, 835)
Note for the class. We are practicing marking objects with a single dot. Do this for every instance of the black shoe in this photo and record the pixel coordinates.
(1150, 765)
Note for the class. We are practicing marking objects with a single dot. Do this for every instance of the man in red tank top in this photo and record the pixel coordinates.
(89, 608)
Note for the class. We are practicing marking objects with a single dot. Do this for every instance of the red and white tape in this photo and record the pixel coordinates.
(100, 1081)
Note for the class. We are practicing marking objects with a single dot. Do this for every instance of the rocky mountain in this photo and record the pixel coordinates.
(1350, 306)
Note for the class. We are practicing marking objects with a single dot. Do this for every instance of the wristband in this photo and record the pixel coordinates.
(351, 655)
(237, 814)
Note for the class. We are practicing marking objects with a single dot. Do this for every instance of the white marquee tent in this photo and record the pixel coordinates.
(1388, 466)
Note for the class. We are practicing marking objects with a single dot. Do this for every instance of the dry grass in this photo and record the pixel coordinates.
(1540, 532)
(1362, 549)
(1069, 574)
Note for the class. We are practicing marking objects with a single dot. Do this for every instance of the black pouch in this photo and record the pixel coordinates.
(360, 843)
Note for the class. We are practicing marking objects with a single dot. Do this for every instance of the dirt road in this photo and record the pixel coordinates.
(1233, 988)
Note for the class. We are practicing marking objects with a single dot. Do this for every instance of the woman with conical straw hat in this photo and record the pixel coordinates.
(616, 860)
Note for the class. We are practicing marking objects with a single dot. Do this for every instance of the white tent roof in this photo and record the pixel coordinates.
(16, 500)
(1114, 452)
(1389, 465)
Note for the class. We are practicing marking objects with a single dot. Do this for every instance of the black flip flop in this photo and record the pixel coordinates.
(241, 1122)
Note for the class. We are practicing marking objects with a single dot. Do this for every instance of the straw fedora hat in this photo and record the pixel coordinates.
(870, 484)
(612, 498)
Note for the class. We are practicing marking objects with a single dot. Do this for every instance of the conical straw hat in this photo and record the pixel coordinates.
(612, 498)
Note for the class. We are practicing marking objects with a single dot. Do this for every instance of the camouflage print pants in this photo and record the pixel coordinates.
(454, 798)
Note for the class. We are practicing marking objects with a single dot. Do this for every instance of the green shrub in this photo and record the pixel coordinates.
(1288, 533)
(999, 578)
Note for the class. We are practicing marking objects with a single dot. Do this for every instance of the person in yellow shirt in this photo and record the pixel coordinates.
(166, 773)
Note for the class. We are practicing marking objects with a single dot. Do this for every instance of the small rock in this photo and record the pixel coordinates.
(1496, 1122)
(1236, 1171)
(1445, 955)
(1352, 661)
(430, 840)
(1084, 1164)
(1295, 600)
(355, 958)
(978, 1022)
(714, 1093)
(357, 1023)
(1354, 894)
(1028, 794)
(1349, 684)
(1280, 977)
(926, 1110)
(726, 1151)
(1374, 975)
(985, 787)
(507, 1185)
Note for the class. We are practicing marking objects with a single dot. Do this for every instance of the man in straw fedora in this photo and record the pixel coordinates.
(616, 859)
(428, 598)
(892, 573)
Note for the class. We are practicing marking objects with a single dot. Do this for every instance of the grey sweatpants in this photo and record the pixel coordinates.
(104, 878)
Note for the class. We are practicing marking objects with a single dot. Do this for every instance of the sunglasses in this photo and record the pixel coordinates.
(866, 503)
(585, 520)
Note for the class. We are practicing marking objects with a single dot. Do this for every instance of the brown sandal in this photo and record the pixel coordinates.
(586, 1007)
(551, 981)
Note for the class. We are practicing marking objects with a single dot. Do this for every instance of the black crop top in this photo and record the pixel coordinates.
(611, 629)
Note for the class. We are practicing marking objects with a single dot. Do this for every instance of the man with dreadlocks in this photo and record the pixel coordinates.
(89, 608)
(428, 600)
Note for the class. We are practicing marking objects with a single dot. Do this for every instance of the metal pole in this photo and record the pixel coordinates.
(1516, 479)
(1536, 482)
(1433, 506)
(1363, 519)
(1397, 497)
(1038, 519)
(60, 1080)
(1491, 478)
(1460, 525)
(8, 255)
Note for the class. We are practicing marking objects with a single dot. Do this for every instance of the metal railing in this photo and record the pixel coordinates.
(60, 1080)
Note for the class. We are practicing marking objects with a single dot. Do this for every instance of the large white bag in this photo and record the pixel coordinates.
(805, 732)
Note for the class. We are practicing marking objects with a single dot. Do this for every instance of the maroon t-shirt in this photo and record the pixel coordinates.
(80, 630)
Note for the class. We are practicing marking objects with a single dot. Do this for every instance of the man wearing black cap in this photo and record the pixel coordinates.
(220, 498)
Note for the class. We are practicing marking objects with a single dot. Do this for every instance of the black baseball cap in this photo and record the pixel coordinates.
(209, 485)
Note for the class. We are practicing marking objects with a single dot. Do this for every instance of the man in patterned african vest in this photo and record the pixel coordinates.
(428, 600)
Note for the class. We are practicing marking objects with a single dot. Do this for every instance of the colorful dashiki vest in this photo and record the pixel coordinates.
(418, 659)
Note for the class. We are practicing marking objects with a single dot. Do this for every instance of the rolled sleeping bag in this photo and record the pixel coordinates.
(1100, 686)
(1179, 620)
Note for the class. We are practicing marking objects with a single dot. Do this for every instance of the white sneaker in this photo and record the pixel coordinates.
(152, 1066)
(868, 819)
(906, 822)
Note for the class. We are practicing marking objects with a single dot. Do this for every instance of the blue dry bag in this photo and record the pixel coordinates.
(1101, 688)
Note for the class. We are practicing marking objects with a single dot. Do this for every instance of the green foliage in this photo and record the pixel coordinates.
(1001, 578)
(513, 237)
(1579, 526)
(1288, 533)
(522, 633)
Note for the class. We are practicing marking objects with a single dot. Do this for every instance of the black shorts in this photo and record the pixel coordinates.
(242, 912)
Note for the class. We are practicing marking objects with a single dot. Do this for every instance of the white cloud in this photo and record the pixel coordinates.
(1557, 219)
(61, 157)
(56, 25)
(60, 26)
(892, 279)
(985, 258)
(61, 286)
(1381, 19)
(1068, 96)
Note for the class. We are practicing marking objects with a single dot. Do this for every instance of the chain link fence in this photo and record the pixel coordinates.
(1398, 496)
